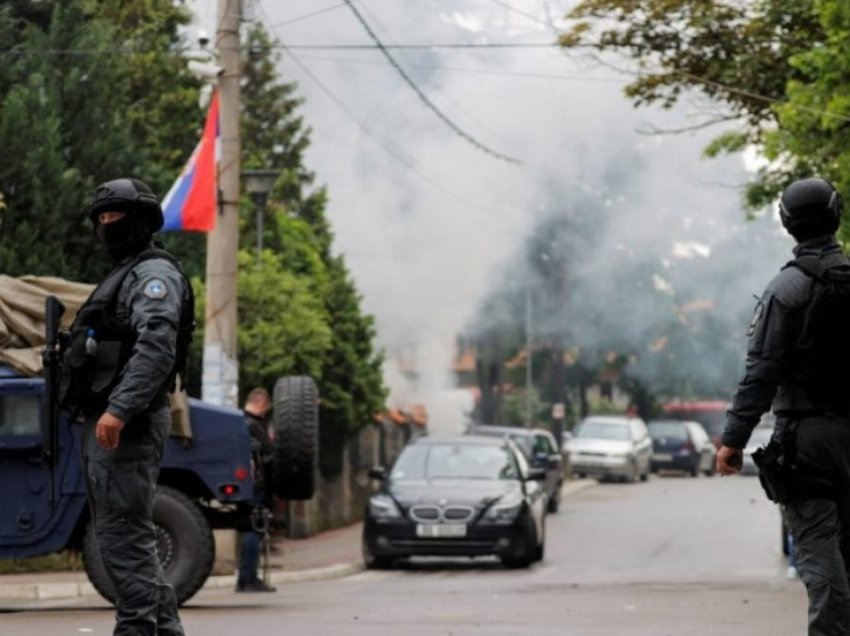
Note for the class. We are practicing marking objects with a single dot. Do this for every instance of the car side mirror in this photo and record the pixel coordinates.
(536, 474)
(378, 472)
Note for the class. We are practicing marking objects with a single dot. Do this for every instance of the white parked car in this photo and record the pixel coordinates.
(611, 446)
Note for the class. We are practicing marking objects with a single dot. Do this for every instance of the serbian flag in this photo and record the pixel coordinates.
(192, 201)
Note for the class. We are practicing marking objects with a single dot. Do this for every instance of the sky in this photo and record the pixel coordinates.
(429, 222)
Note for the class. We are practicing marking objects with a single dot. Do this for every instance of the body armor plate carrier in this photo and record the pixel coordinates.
(100, 345)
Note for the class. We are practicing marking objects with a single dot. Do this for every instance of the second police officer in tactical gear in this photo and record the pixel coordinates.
(797, 362)
(126, 345)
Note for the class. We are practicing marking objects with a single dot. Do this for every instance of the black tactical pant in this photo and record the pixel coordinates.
(821, 526)
(120, 486)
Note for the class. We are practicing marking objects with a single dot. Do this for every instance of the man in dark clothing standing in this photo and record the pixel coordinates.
(126, 344)
(797, 362)
(257, 407)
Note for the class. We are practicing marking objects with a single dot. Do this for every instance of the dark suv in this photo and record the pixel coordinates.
(205, 481)
(539, 447)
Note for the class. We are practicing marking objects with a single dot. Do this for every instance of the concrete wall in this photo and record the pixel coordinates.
(341, 500)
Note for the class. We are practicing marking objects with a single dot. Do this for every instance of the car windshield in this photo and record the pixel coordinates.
(670, 430)
(600, 429)
(455, 461)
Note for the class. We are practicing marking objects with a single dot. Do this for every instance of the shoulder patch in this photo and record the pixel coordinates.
(758, 314)
(156, 289)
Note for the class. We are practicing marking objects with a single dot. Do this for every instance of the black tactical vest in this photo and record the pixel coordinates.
(100, 343)
(818, 379)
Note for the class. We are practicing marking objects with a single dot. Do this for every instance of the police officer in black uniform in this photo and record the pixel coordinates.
(798, 362)
(125, 346)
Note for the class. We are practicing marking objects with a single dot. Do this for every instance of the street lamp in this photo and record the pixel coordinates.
(258, 183)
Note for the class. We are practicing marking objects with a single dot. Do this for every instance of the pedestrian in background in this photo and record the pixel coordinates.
(797, 360)
(257, 406)
(126, 345)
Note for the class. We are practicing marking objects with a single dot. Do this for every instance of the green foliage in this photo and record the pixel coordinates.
(283, 328)
(297, 232)
(779, 67)
(74, 112)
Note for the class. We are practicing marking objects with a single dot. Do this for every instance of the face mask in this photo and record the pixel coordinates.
(120, 238)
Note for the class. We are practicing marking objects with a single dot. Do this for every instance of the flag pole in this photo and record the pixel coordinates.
(220, 381)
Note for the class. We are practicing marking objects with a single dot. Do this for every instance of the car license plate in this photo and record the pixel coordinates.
(440, 530)
(662, 457)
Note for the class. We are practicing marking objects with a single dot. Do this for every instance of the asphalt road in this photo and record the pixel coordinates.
(675, 556)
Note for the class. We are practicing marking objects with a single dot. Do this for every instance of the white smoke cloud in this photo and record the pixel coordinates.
(424, 255)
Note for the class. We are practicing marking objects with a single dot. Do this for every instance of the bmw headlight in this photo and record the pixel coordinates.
(506, 509)
(383, 507)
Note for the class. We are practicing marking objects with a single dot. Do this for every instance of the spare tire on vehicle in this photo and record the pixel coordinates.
(295, 422)
(184, 545)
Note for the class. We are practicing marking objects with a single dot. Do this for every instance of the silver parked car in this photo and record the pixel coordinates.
(611, 446)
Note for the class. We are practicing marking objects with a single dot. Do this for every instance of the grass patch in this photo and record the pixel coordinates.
(67, 561)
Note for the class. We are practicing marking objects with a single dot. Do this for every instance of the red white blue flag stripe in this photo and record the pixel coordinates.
(192, 201)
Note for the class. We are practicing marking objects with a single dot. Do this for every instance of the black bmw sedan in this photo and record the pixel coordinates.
(463, 496)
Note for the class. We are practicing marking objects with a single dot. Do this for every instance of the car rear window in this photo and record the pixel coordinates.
(593, 429)
(670, 430)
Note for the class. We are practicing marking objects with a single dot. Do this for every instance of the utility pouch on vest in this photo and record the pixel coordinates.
(100, 344)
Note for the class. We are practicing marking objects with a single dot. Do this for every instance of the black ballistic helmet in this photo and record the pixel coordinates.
(127, 195)
(810, 207)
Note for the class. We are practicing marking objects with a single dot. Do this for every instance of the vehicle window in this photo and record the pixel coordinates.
(455, 461)
(670, 430)
(542, 445)
(592, 429)
(20, 414)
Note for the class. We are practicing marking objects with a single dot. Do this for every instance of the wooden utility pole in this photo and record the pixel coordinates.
(220, 382)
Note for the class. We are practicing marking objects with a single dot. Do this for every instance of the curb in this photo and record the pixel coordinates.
(336, 571)
(574, 486)
(56, 591)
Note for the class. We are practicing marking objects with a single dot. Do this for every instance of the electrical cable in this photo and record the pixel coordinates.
(389, 149)
(422, 96)
(472, 71)
(307, 15)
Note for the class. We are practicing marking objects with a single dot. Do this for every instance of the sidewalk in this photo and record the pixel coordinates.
(328, 555)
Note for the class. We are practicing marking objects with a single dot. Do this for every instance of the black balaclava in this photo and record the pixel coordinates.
(125, 237)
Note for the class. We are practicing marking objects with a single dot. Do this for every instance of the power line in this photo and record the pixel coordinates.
(422, 96)
(303, 47)
(432, 46)
(376, 24)
(389, 149)
(308, 15)
(472, 71)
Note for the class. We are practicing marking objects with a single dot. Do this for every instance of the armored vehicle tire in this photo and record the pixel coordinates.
(296, 437)
(184, 543)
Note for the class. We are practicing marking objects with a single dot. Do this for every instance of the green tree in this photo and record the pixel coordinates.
(72, 114)
(778, 67)
(296, 229)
